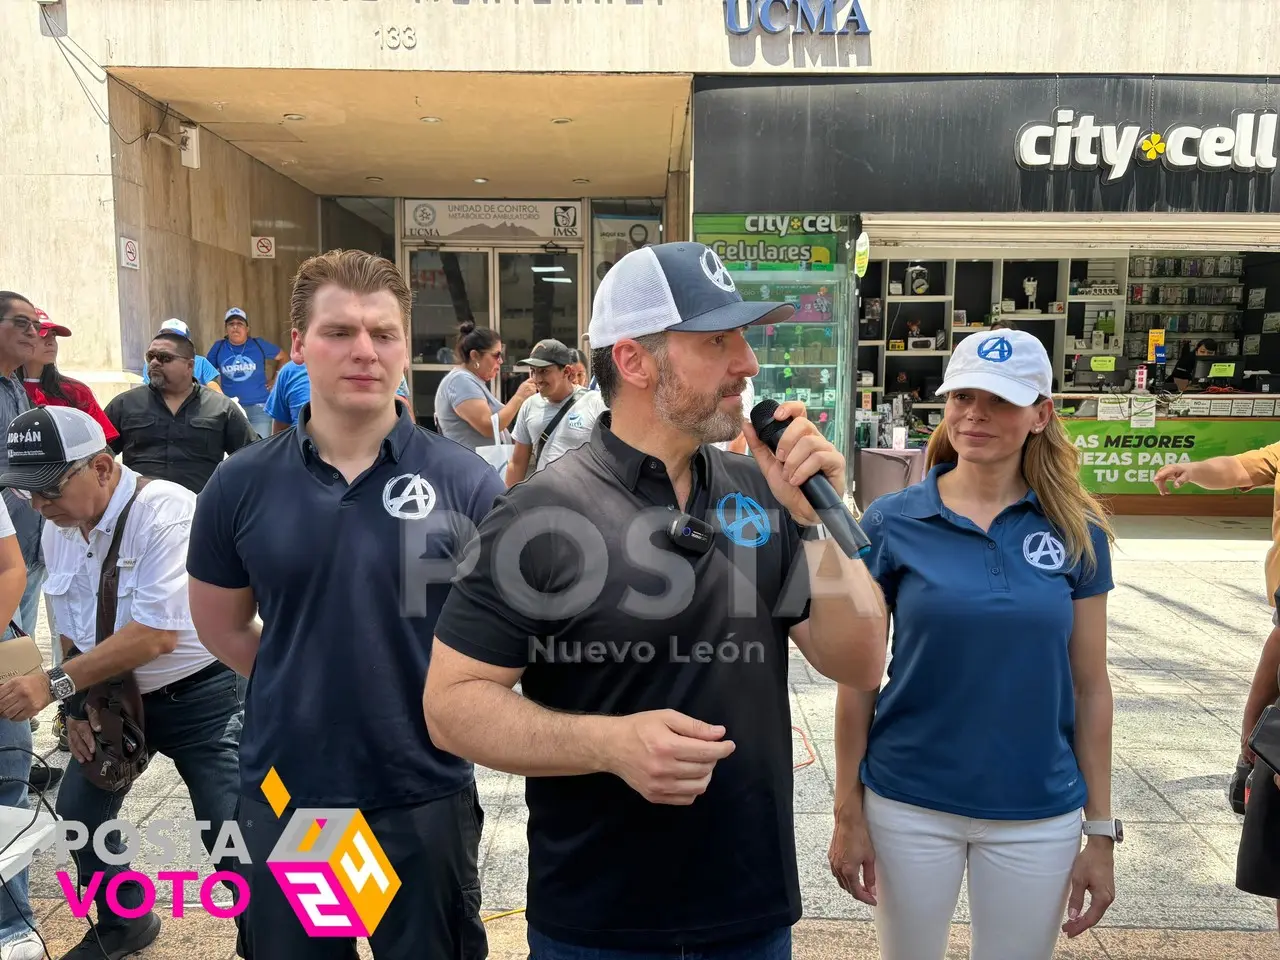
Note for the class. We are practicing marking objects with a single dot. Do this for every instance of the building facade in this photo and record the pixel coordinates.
(177, 157)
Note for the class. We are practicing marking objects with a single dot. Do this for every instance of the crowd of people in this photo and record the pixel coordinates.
(370, 608)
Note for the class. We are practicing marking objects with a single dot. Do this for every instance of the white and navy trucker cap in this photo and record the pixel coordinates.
(679, 286)
(44, 442)
(1012, 364)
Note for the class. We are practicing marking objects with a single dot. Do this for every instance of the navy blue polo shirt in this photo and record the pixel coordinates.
(978, 716)
(349, 580)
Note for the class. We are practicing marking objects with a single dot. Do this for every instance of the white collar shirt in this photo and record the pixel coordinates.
(153, 575)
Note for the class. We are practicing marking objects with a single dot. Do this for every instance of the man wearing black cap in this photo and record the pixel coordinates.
(98, 510)
(643, 593)
(559, 419)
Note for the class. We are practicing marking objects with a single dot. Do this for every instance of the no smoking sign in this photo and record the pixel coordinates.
(263, 248)
(129, 254)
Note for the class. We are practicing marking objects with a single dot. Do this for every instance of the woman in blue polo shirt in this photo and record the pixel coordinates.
(991, 741)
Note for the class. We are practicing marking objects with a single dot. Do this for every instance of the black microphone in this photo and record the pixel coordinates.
(817, 489)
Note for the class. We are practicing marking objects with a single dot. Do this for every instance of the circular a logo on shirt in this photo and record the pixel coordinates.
(743, 520)
(408, 497)
(1044, 551)
(996, 349)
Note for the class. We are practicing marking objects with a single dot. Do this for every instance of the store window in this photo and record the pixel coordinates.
(359, 223)
(809, 357)
(617, 228)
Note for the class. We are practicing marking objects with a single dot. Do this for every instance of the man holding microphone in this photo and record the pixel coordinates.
(643, 595)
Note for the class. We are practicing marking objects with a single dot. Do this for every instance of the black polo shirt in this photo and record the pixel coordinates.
(349, 580)
(184, 447)
(628, 623)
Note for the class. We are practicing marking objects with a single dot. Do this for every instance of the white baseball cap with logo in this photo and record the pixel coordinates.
(174, 325)
(1012, 364)
(44, 443)
(682, 287)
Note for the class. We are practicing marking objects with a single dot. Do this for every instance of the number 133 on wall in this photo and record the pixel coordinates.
(396, 38)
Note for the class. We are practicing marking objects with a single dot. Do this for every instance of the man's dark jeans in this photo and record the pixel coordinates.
(196, 722)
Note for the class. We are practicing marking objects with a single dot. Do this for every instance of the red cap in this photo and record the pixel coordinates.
(47, 326)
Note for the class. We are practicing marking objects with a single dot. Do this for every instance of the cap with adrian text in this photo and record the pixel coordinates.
(44, 442)
(549, 353)
(682, 287)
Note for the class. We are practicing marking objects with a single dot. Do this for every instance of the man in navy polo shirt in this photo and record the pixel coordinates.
(379, 512)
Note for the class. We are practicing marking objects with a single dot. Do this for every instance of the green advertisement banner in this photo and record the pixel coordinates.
(773, 241)
(1116, 458)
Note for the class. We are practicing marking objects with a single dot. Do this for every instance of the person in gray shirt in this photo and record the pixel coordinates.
(18, 339)
(464, 404)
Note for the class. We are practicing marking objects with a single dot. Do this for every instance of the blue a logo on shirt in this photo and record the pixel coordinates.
(743, 520)
(1044, 551)
(996, 349)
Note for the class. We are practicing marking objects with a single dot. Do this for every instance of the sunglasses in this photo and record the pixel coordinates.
(154, 357)
(56, 492)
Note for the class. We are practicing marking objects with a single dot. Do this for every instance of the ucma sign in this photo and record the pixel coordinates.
(809, 16)
(1078, 142)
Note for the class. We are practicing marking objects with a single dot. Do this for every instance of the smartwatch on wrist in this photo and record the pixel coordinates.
(1104, 828)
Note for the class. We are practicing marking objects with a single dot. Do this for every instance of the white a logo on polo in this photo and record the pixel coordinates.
(1044, 550)
(716, 272)
(408, 497)
(239, 369)
(996, 349)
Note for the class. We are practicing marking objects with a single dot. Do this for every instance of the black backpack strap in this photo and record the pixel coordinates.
(551, 427)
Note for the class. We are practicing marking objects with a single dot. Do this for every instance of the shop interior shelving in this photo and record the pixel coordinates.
(913, 312)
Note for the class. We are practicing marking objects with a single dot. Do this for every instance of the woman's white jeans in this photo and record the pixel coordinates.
(1019, 880)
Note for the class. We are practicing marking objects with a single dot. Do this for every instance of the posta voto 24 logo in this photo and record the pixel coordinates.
(331, 867)
(327, 862)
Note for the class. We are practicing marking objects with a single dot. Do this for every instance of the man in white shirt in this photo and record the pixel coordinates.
(559, 419)
(59, 461)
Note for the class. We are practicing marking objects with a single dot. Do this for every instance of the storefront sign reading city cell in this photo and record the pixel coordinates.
(493, 220)
(822, 17)
(771, 241)
(1115, 458)
(1076, 141)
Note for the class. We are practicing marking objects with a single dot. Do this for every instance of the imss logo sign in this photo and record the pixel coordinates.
(331, 868)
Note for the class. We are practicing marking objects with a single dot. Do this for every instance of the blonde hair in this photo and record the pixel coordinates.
(353, 270)
(1051, 468)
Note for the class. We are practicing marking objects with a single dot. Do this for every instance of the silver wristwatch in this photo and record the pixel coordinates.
(1104, 828)
(60, 685)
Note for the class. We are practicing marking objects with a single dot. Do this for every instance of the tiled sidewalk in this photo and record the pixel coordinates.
(1187, 619)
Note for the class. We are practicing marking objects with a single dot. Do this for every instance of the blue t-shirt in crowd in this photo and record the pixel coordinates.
(292, 390)
(978, 716)
(349, 601)
(204, 372)
(244, 368)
